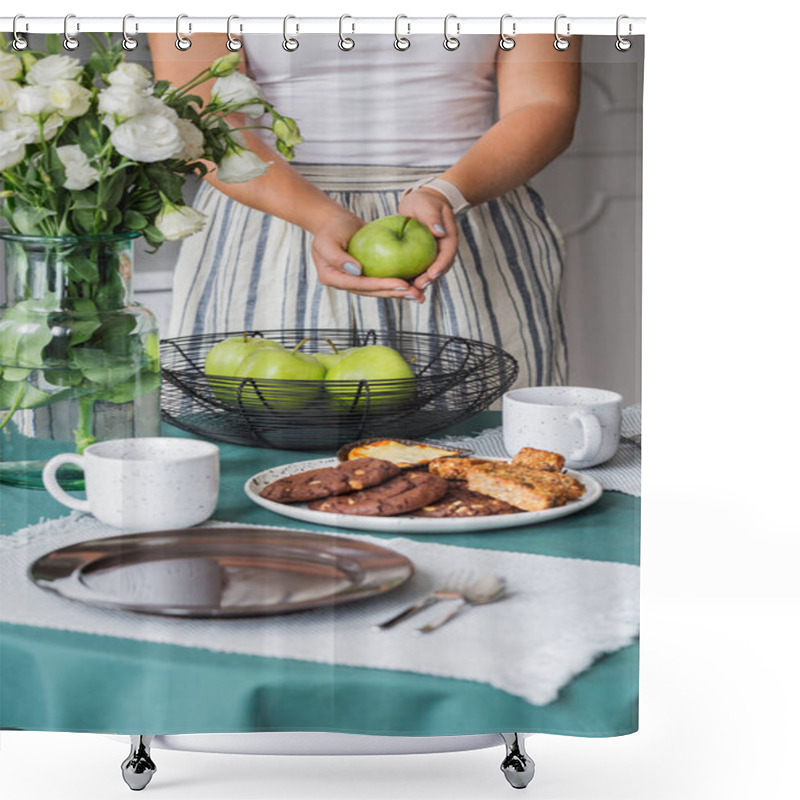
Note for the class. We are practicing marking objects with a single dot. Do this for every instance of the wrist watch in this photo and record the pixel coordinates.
(450, 191)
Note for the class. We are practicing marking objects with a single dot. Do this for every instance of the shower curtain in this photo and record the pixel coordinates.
(516, 163)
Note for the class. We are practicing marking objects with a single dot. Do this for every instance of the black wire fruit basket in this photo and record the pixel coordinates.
(454, 378)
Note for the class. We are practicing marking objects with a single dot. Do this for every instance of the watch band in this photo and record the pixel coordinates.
(450, 191)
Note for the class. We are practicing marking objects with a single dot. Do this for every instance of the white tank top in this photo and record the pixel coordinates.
(375, 105)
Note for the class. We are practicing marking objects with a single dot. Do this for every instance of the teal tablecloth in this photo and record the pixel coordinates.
(54, 680)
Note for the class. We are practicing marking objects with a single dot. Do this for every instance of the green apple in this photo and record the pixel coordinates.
(271, 364)
(225, 358)
(329, 359)
(393, 247)
(371, 363)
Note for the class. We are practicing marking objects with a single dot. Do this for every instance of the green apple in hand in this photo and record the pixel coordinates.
(371, 363)
(393, 247)
(272, 364)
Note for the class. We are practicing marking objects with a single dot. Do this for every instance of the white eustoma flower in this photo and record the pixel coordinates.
(238, 88)
(80, 174)
(238, 166)
(178, 222)
(147, 138)
(70, 98)
(120, 103)
(133, 76)
(10, 66)
(8, 93)
(53, 68)
(12, 149)
(193, 141)
(157, 107)
(34, 101)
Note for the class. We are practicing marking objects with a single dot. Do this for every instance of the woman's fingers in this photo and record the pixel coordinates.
(448, 247)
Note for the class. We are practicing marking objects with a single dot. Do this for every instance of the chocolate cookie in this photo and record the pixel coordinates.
(314, 484)
(462, 502)
(403, 493)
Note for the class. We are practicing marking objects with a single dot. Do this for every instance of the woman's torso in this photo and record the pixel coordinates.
(424, 106)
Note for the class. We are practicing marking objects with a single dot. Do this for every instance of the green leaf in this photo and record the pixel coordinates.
(134, 221)
(160, 88)
(101, 367)
(135, 387)
(21, 394)
(24, 333)
(26, 220)
(82, 268)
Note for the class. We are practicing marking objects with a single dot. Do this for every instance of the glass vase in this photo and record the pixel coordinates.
(79, 359)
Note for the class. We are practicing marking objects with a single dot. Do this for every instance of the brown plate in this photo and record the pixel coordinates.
(221, 572)
(345, 449)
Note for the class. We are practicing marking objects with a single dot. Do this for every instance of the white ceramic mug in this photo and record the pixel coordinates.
(144, 484)
(582, 424)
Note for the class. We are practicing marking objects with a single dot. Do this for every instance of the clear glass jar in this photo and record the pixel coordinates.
(78, 358)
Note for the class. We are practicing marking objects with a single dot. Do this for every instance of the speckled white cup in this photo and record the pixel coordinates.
(582, 424)
(145, 484)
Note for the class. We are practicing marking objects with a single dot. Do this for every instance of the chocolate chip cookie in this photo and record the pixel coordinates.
(314, 484)
(461, 502)
(403, 493)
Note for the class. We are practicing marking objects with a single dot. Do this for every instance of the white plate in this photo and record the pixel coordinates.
(301, 511)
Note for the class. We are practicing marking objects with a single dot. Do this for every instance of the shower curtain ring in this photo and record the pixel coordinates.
(70, 42)
(129, 42)
(182, 42)
(20, 42)
(233, 43)
(289, 44)
(506, 42)
(622, 44)
(346, 42)
(451, 42)
(560, 43)
(401, 42)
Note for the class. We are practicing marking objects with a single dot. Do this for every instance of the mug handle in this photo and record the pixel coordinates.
(592, 436)
(52, 485)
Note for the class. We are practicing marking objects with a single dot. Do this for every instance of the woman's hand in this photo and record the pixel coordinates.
(432, 209)
(337, 268)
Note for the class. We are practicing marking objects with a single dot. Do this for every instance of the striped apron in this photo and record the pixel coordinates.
(247, 271)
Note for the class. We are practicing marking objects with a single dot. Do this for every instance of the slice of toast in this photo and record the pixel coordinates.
(531, 458)
(454, 468)
(531, 490)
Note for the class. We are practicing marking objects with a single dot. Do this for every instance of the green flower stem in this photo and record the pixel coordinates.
(14, 405)
(83, 433)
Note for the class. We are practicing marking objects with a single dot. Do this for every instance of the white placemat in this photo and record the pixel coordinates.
(562, 615)
(623, 473)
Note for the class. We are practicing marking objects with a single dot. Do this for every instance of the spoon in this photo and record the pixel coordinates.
(484, 590)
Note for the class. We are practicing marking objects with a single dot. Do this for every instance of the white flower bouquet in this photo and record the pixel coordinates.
(91, 157)
(102, 148)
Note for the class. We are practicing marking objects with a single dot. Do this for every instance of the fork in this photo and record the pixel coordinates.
(451, 588)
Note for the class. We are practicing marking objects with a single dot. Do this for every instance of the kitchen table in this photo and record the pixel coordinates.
(55, 680)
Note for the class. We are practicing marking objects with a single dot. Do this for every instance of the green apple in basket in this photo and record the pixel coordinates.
(393, 247)
(329, 359)
(224, 359)
(273, 364)
(371, 363)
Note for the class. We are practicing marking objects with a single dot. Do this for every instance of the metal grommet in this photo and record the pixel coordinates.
(70, 42)
(622, 44)
(181, 41)
(401, 42)
(128, 42)
(451, 42)
(19, 42)
(346, 42)
(233, 44)
(560, 43)
(506, 42)
(289, 44)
